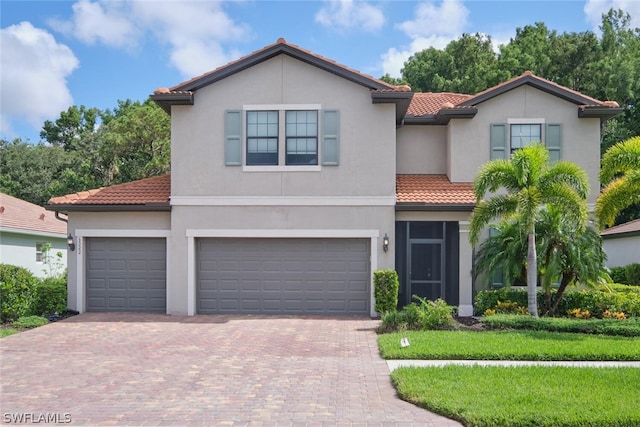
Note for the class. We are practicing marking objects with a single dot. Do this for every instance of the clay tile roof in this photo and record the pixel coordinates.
(148, 191)
(431, 103)
(21, 215)
(433, 190)
(627, 227)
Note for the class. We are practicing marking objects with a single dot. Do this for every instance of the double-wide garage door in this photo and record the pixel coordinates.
(283, 276)
(126, 274)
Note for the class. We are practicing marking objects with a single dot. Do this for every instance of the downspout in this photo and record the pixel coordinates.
(57, 213)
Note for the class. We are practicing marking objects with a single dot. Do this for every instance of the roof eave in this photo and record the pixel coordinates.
(439, 207)
(147, 207)
(166, 100)
(401, 99)
(442, 117)
(603, 113)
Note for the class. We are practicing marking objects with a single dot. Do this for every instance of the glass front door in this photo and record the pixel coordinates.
(426, 270)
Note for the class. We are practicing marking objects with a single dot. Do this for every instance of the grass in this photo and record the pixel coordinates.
(5, 332)
(525, 396)
(508, 345)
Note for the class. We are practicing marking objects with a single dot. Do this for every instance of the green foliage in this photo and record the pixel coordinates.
(620, 175)
(632, 274)
(425, 314)
(532, 396)
(595, 301)
(386, 285)
(30, 322)
(627, 328)
(17, 286)
(50, 296)
(5, 332)
(618, 274)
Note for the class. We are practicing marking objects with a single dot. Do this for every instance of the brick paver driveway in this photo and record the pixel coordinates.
(130, 369)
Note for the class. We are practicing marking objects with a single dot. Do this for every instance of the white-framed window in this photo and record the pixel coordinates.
(506, 138)
(40, 251)
(281, 137)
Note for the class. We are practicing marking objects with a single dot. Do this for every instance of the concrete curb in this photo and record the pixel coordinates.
(394, 364)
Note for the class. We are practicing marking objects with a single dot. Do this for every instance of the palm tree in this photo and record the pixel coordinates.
(530, 184)
(620, 172)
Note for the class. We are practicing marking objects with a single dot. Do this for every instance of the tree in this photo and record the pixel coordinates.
(529, 50)
(531, 184)
(620, 172)
(71, 127)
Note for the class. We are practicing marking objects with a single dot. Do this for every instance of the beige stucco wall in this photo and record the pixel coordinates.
(622, 251)
(104, 224)
(19, 248)
(468, 142)
(421, 149)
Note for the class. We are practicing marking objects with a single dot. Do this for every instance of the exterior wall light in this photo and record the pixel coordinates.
(70, 243)
(385, 242)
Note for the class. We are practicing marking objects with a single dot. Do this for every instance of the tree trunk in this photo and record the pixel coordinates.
(532, 275)
(563, 285)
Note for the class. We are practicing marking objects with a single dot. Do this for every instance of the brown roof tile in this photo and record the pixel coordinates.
(431, 103)
(155, 190)
(627, 227)
(433, 190)
(21, 215)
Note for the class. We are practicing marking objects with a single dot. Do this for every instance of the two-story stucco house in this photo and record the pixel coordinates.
(294, 178)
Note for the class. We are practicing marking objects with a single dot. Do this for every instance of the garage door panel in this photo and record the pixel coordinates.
(126, 274)
(283, 276)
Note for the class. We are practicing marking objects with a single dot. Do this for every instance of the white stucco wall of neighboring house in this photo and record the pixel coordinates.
(468, 139)
(622, 250)
(422, 150)
(84, 225)
(19, 247)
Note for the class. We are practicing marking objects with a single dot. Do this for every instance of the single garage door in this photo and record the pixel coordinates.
(126, 274)
(283, 276)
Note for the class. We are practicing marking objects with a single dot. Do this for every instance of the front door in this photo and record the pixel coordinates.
(426, 269)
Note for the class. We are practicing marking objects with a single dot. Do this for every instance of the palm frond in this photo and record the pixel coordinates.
(503, 205)
(621, 158)
(617, 195)
(529, 163)
(492, 176)
(567, 173)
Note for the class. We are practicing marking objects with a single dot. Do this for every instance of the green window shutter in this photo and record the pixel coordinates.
(233, 138)
(553, 141)
(330, 137)
(498, 141)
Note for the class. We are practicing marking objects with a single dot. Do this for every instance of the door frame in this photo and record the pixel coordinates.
(443, 270)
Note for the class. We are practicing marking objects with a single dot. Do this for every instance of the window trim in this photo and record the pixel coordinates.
(40, 252)
(541, 121)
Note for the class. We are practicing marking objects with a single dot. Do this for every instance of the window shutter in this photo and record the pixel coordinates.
(233, 138)
(498, 141)
(553, 141)
(330, 137)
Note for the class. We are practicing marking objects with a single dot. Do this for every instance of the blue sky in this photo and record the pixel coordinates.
(55, 54)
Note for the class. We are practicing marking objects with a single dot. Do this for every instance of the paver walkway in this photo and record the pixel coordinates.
(135, 369)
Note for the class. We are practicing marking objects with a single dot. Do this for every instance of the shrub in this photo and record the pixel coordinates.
(418, 316)
(613, 298)
(17, 285)
(386, 285)
(618, 274)
(632, 274)
(30, 322)
(627, 328)
(50, 296)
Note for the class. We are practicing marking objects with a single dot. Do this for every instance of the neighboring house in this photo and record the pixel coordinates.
(622, 244)
(287, 172)
(25, 229)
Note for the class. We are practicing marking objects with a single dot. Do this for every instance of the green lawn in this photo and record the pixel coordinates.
(5, 332)
(508, 345)
(525, 396)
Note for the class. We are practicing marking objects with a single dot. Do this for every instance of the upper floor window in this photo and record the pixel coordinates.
(262, 137)
(524, 134)
(282, 137)
(506, 138)
(302, 137)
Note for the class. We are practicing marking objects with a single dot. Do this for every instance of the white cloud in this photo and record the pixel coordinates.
(432, 26)
(193, 31)
(594, 9)
(350, 14)
(107, 23)
(34, 69)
